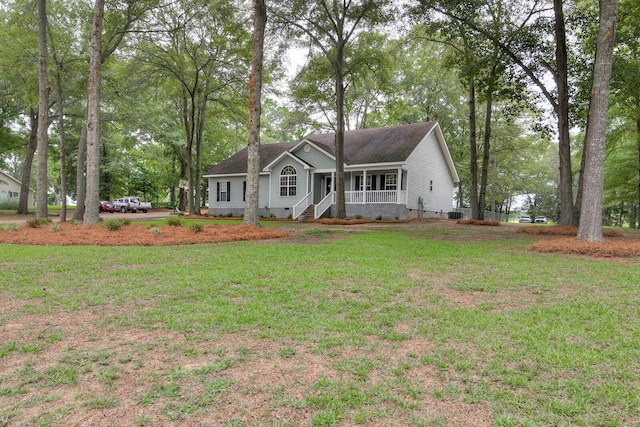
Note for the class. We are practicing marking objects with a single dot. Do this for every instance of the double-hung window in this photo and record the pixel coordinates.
(391, 181)
(359, 182)
(288, 181)
(223, 191)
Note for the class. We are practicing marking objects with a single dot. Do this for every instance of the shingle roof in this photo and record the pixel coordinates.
(364, 146)
(237, 164)
(379, 145)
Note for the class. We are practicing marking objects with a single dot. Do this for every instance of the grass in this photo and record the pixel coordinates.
(405, 318)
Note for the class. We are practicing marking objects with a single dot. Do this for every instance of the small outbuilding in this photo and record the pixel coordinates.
(10, 189)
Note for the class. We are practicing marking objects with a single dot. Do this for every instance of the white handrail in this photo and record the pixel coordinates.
(302, 205)
(375, 196)
(324, 204)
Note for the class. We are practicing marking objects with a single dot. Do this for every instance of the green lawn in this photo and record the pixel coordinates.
(405, 323)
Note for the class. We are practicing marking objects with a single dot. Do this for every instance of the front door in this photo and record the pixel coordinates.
(328, 188)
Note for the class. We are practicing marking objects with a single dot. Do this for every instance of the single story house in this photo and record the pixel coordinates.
(390, 172)
(10, 189)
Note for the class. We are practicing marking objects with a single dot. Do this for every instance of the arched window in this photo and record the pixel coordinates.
(288, 181)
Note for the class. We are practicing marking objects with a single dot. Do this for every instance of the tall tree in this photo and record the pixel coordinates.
(330, 26)
(125, 15)
(204, 50)
(91, 208)
(43, 112)
(591, 213)
(524, 41)
(255, 107)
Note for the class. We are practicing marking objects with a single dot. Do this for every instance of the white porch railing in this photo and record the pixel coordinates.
(302, 205)
(375, 196)
(324, 204)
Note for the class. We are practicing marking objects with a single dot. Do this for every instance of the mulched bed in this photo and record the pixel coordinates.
(133, 235)
(562, 230)
(616, 244)
(618, 248)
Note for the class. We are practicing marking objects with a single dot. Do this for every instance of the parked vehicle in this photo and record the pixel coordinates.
(107, 206)
(524, 219)
(541, 220)
(131, 204)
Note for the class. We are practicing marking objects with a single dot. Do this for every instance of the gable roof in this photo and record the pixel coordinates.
(378, 145)
(237, 164)
(364, 146)
(6, 175)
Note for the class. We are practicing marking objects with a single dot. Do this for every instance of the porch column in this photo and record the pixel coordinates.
(399, 185)
(364, 187)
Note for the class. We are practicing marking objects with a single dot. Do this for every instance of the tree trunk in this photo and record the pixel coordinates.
(341, 210)
(567, 213)
(81, 174)
(199, 136)
(91, 212)
(484, 178)
(251, 216)
(61, 136)
(590, 228)
(63, 159)
(638, 136)
(23, 203)
(473, 151)
(43, 114)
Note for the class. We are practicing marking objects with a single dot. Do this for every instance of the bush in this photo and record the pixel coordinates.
(11, 227)
(196, 227)
(113, 224)
(155, 230)
(55, 227)
(9, 205)
(174, 221)
(37, 222)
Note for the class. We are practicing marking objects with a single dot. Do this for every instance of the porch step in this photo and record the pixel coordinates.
(308, 214)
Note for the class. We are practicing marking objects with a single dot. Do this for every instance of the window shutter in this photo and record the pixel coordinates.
(244, 191)
(383, 183)
(228, 191)
(374, 182)
(218, 191)
(357, 183)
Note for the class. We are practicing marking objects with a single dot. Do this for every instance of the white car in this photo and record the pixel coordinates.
(524, 219)
(541, 220)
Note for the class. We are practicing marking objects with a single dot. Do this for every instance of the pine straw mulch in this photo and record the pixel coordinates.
(63, 234)
(489, 222)
(615, 245)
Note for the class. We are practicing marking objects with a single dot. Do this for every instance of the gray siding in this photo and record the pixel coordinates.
(319, 160)
(425, 166)
(302, 189)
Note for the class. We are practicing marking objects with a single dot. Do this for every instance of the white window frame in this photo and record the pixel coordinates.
(288, 181)
(223, 191)
(391, 181)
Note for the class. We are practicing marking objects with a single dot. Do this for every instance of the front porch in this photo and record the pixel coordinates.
(372, 202)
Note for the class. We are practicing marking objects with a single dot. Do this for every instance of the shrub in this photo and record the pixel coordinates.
(196, 227)
(113, 224)
(37, 222)
(174, 221)
(155, 230)
(12, 227)
(55, 227)
(379, 218)
(9, 205)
